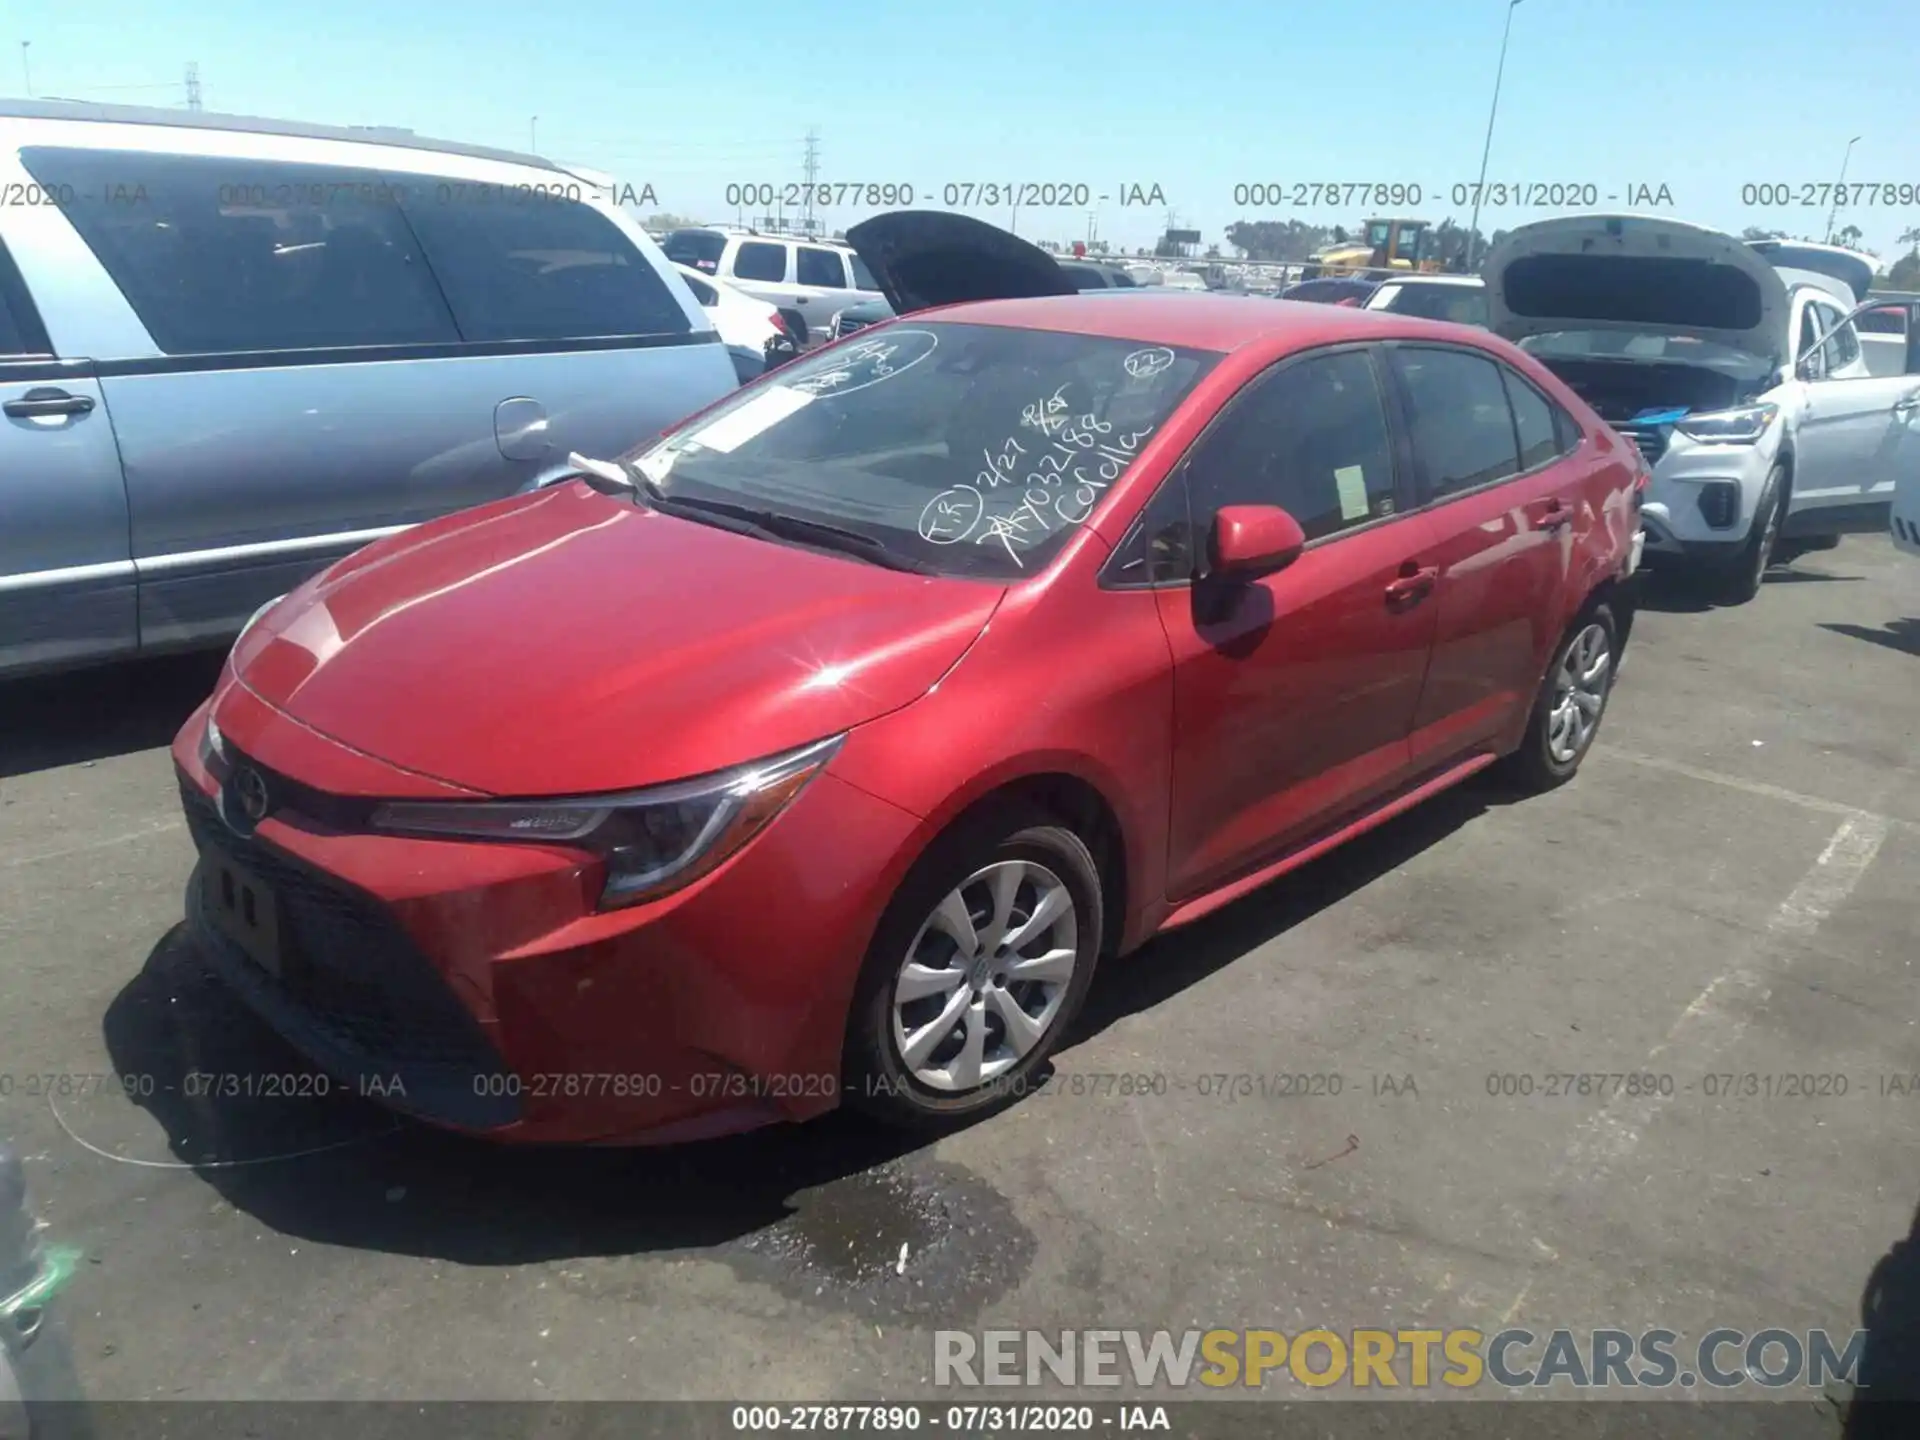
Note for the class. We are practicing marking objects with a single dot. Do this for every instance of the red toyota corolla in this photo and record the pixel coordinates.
(824, 747)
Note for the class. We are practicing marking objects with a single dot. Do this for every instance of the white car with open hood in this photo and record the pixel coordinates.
(1737, 369)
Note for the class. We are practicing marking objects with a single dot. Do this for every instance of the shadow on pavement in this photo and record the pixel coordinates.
(52, 720)
(1901, 635)
(1677, 593)
(311, 1161)
(1171, 962)
(1887, 1402)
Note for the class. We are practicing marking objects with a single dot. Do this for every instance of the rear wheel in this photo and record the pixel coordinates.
(1572, 699)
(980, 963)
(1742, 578)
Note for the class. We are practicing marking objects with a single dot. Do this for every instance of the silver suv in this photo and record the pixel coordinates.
(234, 350)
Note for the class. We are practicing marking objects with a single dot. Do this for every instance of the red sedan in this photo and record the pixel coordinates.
(824, 747)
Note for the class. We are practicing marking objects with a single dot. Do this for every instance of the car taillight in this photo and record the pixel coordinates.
(780, 324)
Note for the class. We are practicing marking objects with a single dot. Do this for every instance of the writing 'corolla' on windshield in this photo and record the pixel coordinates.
(964, 449)
(1068, 458)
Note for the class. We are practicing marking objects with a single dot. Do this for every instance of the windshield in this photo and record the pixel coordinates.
(700, 249)
(1460, 304)
(1638, 345)
(975, 449)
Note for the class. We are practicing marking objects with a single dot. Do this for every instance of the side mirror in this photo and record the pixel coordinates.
(1248, 541)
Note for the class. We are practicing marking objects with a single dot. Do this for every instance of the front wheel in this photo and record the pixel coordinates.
(1571, 701)
(1742, 579)
(980, 963)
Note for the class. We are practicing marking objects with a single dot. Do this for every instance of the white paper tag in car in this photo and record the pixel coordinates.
(1351, 481)
(760, 414)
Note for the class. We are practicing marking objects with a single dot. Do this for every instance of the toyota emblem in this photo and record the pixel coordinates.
(251, 787)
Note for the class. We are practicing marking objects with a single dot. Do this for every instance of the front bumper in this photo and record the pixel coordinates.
(1702, 498)
(477, 986)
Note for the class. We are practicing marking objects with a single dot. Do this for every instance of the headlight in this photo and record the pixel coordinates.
(213, 750)
(654, 841)
(1729, 427)
(254, 618)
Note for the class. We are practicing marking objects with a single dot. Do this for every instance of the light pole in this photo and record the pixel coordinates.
(26, 71)
(1834, 213)
(1473, 225)
(533, 134)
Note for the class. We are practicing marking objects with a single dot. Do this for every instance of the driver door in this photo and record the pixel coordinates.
(1859, 432)
(1295, 693)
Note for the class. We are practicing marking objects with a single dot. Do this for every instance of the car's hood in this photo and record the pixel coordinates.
(1849, 267)
(1635, 273)
(568, 642)
(923, 258)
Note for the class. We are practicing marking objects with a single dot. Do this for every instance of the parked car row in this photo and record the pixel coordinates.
(1279, 572)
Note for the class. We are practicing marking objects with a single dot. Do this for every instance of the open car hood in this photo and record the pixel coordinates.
(923, 258)
(1849, 267)
(1635, 273)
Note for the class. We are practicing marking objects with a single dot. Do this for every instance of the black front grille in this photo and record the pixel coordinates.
(355, 994)
(1652, 440)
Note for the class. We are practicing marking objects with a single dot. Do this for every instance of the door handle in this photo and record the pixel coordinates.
(1555, 517)
(1906, 403)
(47, 402)
(1413, 585)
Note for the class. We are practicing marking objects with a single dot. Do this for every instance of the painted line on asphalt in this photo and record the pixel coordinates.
(1717, 1017)
(1750, 787)
(163, 828)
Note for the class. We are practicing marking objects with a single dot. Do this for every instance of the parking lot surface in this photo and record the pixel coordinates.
(1728, 890)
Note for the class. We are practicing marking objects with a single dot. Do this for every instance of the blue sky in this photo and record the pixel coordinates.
(1702, 96)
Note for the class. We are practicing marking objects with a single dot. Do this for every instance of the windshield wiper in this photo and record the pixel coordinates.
(777, 524)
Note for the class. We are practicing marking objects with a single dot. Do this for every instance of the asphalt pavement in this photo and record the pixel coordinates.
(1727, 890)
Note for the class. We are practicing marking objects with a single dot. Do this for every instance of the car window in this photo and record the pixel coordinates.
(702, 291)
(1809, 339)
(20, 332)
(1085, 277)
(1462, 425)
(1456, 304)
(1887, 320)
(1542, 426)
(862, 277)
(1120, 280)
(1842, 345)
(221, 255)
(541, 269)
(976, 449)
(701, 249)
(1310, 437)
(759, 260)
(1159, 548)
(820, 267)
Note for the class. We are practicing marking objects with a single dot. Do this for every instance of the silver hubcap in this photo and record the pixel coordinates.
(1579, 694)
(986, 976)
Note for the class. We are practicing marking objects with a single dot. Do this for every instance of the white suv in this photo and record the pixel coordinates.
(812, 277)
(1737, 369)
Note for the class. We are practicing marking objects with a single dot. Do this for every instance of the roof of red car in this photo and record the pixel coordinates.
(1196, 321)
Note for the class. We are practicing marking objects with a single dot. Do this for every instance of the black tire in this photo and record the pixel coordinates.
(876, 1078)
(1536, 767)
(1741, 579)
